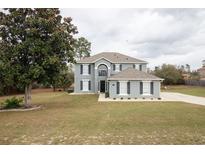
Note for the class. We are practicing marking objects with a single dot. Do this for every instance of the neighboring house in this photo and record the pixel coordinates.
(118, 75)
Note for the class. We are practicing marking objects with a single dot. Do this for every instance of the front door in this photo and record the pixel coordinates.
(102, 86)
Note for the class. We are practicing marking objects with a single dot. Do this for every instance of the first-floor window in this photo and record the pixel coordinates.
(85, 85)
(123, 87)
(146, 87)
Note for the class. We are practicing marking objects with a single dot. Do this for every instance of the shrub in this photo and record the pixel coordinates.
(13, 103)
(106, 94)
(70, 90)
(1, 105)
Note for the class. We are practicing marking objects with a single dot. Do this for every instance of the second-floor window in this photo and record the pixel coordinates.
(85, 69)
(140, 67)
(102, 72)
(117, 67)
(137, 66)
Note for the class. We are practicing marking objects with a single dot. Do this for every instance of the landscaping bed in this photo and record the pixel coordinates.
(20, 109)
(16, 104)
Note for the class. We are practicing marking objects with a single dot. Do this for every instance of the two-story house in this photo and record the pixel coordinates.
(118, 75)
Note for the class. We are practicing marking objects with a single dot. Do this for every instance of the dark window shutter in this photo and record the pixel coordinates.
(140, 67)
(128, 87)
(89, 69)
(120, 67)
(118, 87)
(113, 67)
(81, 85)
(133, 65)
(152, 87)
(81, 69)
(141, 88)
(89, 85)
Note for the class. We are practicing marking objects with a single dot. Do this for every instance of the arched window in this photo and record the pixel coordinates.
(102, 70)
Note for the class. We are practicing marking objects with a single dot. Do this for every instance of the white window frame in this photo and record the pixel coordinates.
(146, 88)
(137, 66)
(85, 69)
(123, 84)
(117, 67)
(85, 84)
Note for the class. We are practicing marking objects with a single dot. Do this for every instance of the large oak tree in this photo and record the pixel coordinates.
(36, 44)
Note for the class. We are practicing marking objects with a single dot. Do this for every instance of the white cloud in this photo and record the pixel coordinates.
(174, 36)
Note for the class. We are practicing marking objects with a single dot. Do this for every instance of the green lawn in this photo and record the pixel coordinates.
(190, 90)
(67, 119)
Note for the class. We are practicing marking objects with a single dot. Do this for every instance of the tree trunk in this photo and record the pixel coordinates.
(27, 98)
(54, 88)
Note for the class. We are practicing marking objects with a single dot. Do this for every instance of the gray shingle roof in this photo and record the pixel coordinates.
(113, 57)
(133, 74)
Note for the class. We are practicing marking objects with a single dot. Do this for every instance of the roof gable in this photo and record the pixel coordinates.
(102, 58)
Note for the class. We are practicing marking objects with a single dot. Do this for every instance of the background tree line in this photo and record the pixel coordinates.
(174, 75)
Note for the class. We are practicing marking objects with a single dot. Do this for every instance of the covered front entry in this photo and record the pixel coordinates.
(102, 86)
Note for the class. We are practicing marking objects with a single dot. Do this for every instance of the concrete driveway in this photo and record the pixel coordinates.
(166, 96)
(172, 96)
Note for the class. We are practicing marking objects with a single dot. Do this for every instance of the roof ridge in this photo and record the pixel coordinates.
(132, 73)
(112, 57)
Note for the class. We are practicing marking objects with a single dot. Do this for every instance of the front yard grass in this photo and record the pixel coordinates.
(190, 90)
(80, 119)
